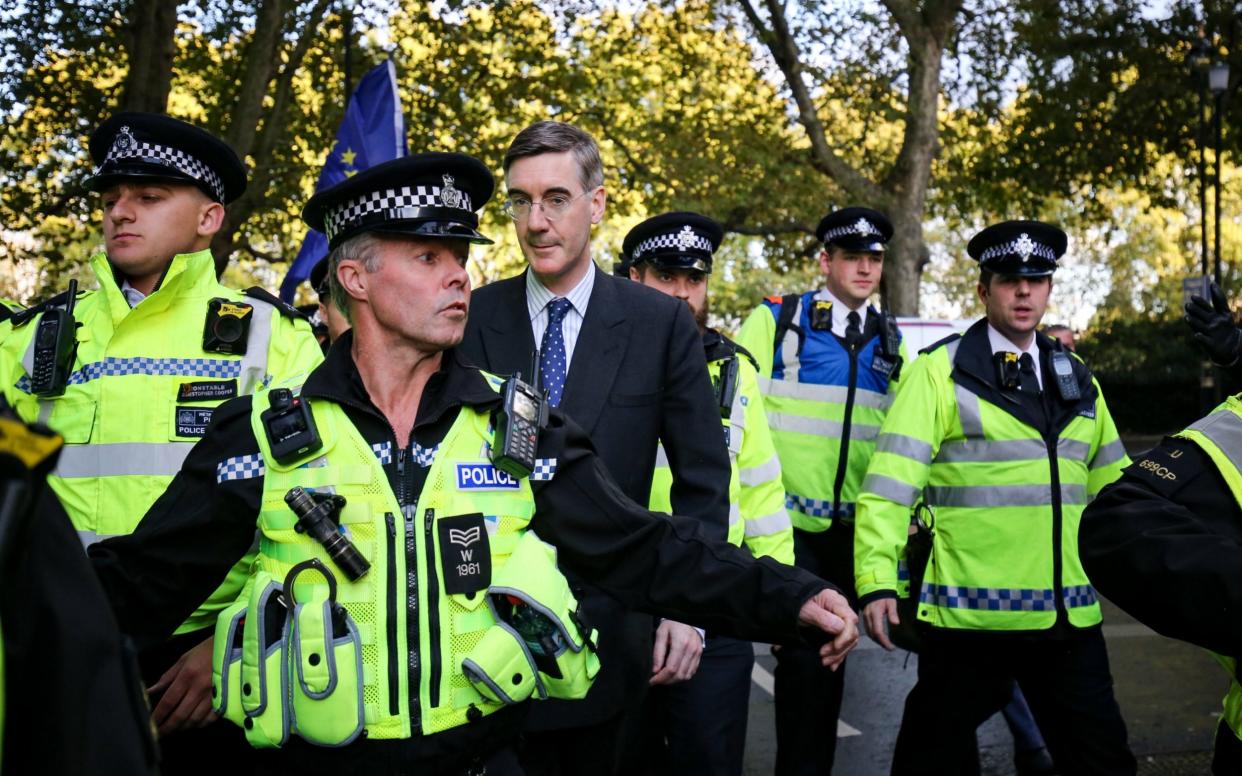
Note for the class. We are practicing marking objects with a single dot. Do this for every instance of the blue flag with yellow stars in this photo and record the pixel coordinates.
(373, 131)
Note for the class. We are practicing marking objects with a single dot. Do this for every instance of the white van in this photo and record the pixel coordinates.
(918, 333)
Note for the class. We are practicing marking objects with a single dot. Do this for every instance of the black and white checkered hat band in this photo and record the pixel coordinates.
(676, 241)
(169, 157)
(860, 228)
(392, 201)
(1022, 248)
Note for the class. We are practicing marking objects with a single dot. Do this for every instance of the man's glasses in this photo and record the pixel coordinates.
(554, 206)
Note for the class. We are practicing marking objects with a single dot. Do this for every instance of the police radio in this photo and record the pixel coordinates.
(227, 328)
(888, 359)
(1063, 371)
(517, 425)
(56, 342)
(725, 386)
(290, 426)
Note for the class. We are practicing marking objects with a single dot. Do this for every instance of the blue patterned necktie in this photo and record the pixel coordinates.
(552, 357)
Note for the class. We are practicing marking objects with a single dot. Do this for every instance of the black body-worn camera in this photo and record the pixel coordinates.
(290, 426)
(319, 518)
(821, 315)
(227, 328)
(725, 386)
(56, 342)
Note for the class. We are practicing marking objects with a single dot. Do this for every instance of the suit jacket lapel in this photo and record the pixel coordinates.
(508, 339)
(597, 353)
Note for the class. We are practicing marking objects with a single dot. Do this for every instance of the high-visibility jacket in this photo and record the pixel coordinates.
(1004, 498)
(1219, 434)
(142, 392)
(406, 654)
(824, 406)
(757, 515)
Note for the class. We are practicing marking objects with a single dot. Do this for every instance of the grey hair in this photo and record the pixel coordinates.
(363, 248)
(555, 137)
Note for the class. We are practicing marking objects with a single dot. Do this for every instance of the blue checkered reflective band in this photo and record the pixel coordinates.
(545, 469)
(1078, 596)
(814, 507)
(423, 456)
(240, 467)
(903, 571)
(990, 598)
(383, 451)
(141, 365)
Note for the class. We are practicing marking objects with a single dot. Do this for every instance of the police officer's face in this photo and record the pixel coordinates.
(420, 292)
(851, 276)
(557, 245)
(146, 223)
(688, 285)
(1015, 304)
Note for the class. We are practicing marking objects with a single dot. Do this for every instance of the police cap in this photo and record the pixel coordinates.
(855, 229)
(318, 276)
(1029, 248)
(154, 146)
(673, 241)
(426, 195)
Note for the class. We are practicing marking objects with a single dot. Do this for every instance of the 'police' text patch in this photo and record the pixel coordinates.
(484, 476)
(465, 553)
(207, 390)
(193, 421)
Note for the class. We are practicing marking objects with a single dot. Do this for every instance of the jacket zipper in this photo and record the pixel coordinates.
(411, 616)
(1058, 599)
(390, 597)
(433, 605)
(843, 457)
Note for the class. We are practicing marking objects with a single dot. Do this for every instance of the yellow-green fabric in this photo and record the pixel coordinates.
(119, 413)
(807, 419)
(448, 627)
(757, 516)
(987, 478)
(1219, 434)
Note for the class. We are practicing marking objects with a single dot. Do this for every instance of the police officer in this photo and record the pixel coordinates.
(131, 380)
(829, 365)
(416, 630)
(1004, 437)
(329, 315)
(704, 719)
(1165, 541)
(70, 698)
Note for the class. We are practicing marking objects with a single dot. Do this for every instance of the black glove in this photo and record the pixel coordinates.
(1214, 328)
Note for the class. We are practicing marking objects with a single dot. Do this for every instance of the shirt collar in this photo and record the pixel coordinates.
(132, 295)
(840, 311)
(1001, 344)
(538, 295)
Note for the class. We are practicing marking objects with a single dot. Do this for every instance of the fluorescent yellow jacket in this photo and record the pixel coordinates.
(142, 392)
(1005, 499)
(757, 515)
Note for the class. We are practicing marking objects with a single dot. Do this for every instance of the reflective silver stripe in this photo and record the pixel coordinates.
(254, 362)
(90, 537)
(735, 514)
(1115, 451)
(121, 459)
(906, 446)
(45, 411)
(661, 457)
(768, 524)
(1072, 448)
(789, 347)
(951, 349)
(985, 496)
(832, 429)
(833, 394)
(767, 471)
(892, 489)
(989, 450)
(28, 356)
(968, 411)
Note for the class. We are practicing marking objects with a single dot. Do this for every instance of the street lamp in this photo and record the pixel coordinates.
(1218, 84)
(1199, 59)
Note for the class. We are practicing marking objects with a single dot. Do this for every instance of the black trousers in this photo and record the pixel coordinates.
(808, 696)
(595, 749)
(965, 677)
(1227, 759)
(699, 726)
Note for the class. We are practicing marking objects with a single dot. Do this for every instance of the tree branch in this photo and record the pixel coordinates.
(632, 158)
(768, 230)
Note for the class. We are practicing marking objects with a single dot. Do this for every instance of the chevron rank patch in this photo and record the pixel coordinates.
(465, 553)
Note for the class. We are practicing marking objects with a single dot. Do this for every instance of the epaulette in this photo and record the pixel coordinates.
(22, 317)
(286, 309)
(939, 343)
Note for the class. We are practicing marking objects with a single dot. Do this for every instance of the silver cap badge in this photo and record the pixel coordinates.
(863, 226)
(449, 195)
(1024, 246)
(685, 238)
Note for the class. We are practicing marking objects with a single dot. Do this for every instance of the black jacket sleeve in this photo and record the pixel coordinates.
(691, 432)
(659, 563)
(190, 537)
(1165, 544)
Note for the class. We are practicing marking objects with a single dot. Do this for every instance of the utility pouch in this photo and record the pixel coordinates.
(226, 662)
(918, 554)
(532, 596)
(325, 653)
(264, 676)
(501, 667)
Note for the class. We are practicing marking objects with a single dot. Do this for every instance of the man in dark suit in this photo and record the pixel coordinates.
(627, 364)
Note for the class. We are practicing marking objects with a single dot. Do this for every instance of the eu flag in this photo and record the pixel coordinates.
(373, 131)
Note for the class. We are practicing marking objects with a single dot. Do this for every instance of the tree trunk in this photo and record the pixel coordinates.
(150, 45)
(903, 266)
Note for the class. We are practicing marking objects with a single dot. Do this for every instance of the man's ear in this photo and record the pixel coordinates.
(354, 279)
(636, 274)
(825, 262)
(599, 198)
(982, 291)
(210, 218)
